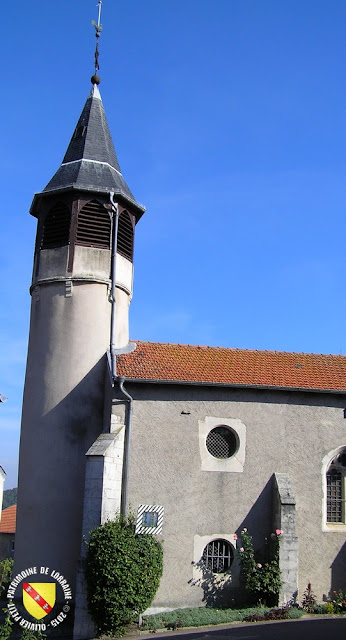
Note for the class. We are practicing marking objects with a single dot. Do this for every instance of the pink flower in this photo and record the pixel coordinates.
(241, 549)
(259, 566)
(235, 537)
(279, 532)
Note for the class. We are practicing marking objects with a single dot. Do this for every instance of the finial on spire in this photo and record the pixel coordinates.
(95, 79)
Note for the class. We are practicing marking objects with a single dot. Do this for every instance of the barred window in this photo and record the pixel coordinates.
(336, 480)
(218, 556)
(222, 442)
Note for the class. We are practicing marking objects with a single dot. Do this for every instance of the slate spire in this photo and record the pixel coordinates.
(90, 162)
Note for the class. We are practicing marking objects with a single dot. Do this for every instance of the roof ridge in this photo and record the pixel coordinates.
(240, 349)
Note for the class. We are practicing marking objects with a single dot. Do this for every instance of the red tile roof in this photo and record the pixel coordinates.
(8, 520)
(186, 363)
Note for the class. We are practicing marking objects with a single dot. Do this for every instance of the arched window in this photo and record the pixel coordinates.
(218, 555)
(336, 484)
(125, 236)
(56, 229)
(93, 226)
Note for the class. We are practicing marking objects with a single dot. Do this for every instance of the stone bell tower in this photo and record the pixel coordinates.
(85, 213)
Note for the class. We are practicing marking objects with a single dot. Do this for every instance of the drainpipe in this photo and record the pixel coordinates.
(113, 279)
(115, 378)
(124, 507)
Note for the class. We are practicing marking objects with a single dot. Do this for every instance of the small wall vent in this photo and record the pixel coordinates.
(56, 229)
(94, 226)
(125, 236)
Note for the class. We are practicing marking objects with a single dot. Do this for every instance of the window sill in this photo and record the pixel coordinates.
(335, 526)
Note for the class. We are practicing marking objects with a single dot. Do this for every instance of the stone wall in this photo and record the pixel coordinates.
(285, 520)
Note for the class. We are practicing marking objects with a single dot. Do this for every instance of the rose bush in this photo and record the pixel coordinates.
(262, 580)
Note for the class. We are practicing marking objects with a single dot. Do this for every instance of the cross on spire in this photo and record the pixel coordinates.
(98, 28)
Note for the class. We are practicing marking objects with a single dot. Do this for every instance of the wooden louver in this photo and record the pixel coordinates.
(93, 226)
(56, 230)
(125, 236)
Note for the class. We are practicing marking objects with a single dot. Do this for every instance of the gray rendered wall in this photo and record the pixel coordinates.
(286, 432)
(62, 417)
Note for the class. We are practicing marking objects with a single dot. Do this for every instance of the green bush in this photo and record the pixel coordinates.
(6, 567)
(26, 634)
(295, 613)
(6, 626)
(123, 572)
(262, 580)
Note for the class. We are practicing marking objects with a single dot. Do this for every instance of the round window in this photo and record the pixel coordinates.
(222, 442)
(218, 556)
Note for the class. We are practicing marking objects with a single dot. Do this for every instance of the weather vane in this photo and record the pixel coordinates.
(98, 28)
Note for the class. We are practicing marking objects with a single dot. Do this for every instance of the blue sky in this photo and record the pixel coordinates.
(228, 117)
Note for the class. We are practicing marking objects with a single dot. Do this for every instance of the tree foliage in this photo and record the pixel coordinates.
(10, 498)
(123, 572)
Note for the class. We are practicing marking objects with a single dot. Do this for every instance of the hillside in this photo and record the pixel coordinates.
(10, 498)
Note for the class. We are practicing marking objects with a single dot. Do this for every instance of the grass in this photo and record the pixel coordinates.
(204, 616)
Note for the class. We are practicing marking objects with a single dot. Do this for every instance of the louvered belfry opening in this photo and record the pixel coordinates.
(125, 236)
(56, 229)
(94, 226)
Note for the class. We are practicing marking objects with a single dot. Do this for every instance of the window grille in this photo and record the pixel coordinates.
(334, 495)
(94, 226)
(336, 489)
(56, 230)
(218, 556)
(125, 236)
(221, 442)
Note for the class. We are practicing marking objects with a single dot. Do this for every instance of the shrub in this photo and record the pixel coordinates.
(282, 613)
(324, 608)
(6, 567)
(295, 613)
(338, 601)
(123, 572)
(261, 579)
(6, 626)
(26, 634)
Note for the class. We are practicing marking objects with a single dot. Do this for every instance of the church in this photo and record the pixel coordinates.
(197, 442)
